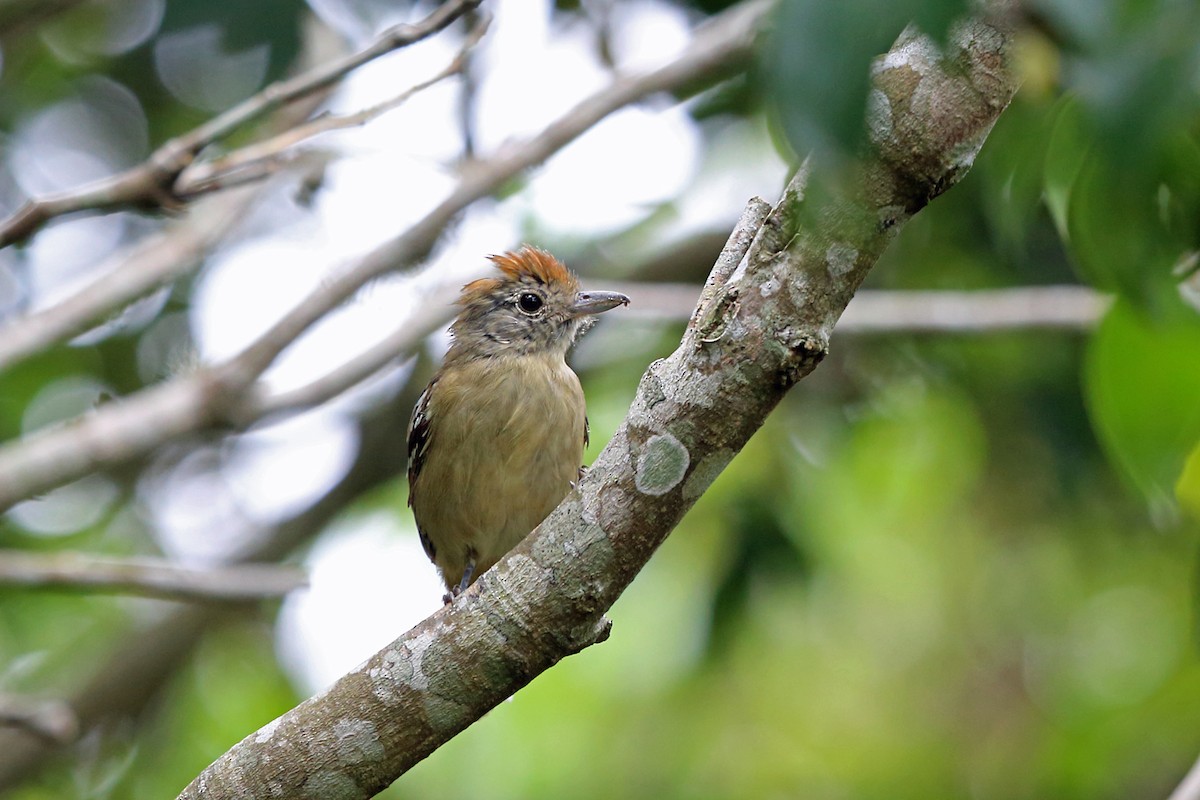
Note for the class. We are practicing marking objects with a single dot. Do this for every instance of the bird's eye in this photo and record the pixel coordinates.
(529, 303)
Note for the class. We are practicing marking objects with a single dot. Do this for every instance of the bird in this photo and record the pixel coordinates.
(496, 439)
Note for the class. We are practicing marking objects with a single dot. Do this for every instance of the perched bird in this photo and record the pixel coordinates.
(496, 439)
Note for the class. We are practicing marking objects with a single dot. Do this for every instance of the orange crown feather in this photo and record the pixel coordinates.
(529, 262)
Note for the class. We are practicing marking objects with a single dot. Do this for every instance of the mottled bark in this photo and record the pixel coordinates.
(762, 324)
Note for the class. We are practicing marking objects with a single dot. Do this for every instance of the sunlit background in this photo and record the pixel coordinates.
(951, 566)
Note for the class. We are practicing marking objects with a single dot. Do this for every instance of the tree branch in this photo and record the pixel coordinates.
(152, 183)
(763, 329)
(212, 396)
(875, 311)
(143, 659)
(148, 265)
(262, 156)
(147, 577)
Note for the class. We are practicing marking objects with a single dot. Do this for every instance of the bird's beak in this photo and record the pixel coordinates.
(597, 302)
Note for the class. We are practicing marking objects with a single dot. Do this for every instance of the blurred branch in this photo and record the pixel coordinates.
(217, 395)
(899, 311)
(143, 659)
(432, 314)
(151, 263)
(147, 577)
(152, 183)
(50, 720)
(759, 329)
(262, 158)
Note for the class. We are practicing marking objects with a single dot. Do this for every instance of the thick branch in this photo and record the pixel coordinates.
(763, 329)
(151, 184)
(147, 577)
(212, 396)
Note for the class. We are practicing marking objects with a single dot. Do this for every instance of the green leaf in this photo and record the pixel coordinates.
(1187, 490)
(1142, 379)
(1117, 233)
(1065, 155)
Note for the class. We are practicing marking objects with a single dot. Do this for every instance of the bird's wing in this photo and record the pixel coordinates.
(418, 437)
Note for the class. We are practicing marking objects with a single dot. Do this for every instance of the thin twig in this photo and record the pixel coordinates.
(132, 427)
(731, 255)
(203, 177)
(434, 312)
(871, 312)
(146, 577)
(877, 311)
(151, 184)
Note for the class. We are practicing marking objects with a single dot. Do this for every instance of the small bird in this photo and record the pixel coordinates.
(496, 439)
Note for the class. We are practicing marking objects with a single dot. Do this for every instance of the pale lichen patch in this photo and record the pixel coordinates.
(662, 464)
(394, 669)
(400, 665)
(327, 784)
(840, 259)
(879, 116)
(357, 741)
(266, 731)
(445, 714)
(706, 472)
(918, 54)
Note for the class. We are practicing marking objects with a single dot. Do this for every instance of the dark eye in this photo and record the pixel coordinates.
(530, 303)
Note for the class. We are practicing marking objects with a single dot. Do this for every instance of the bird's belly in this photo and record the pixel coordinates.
(516, 447)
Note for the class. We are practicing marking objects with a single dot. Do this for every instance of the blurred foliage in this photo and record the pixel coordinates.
(817, 64)
(947, 567)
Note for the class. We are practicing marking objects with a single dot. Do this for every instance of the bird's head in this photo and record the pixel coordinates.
(533, 306)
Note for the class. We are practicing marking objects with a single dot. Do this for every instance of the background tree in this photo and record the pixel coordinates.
(953, 563)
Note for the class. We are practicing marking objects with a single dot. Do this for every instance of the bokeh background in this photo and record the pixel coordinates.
(951, 564)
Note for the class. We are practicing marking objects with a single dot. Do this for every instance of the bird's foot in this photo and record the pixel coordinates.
(468, 574)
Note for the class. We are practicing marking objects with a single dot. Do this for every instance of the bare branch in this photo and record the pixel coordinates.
(152, 183)
(257, 158)
(432, 314)
(753, 217)
(874, 311)
(147, 577)
(765, 328)
(148, 265)
(140, 661)
(130, 428)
